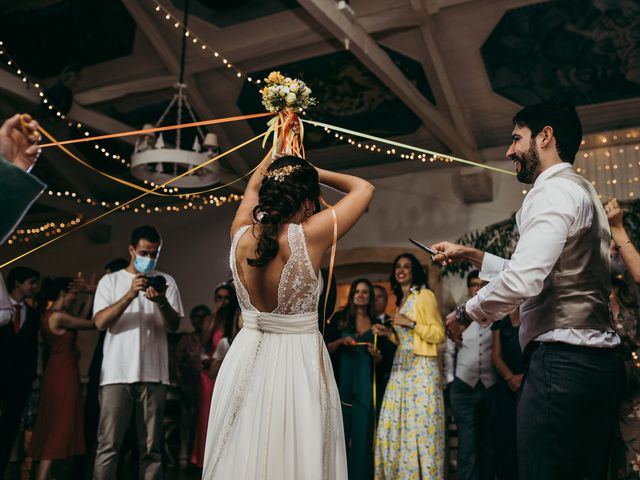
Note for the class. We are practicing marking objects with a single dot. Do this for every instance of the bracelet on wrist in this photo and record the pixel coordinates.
(620, 245)
(461, 315)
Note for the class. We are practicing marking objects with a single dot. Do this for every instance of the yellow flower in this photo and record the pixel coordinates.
(275, 77)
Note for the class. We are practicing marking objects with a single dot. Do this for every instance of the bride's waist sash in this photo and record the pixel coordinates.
(277, 323)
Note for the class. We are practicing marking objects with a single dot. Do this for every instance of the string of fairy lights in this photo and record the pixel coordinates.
(47, 230)
(371, 146)
(31, 83)
(611, 162)
(201, 45)
(199, 202)
(191, 201)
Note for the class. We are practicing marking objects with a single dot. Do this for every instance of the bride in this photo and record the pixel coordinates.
(275, 411)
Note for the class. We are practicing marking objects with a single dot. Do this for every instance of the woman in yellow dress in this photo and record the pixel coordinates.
(410, 438)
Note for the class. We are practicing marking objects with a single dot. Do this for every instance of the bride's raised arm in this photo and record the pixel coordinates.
(244, 214)
(319, 227)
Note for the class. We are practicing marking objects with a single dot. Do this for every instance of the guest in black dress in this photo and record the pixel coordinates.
(508, 361)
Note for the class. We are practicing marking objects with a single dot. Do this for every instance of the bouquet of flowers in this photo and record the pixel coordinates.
(283, 92)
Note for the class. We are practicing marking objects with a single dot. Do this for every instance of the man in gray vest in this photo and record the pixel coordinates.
(559, 275)
(470, 376)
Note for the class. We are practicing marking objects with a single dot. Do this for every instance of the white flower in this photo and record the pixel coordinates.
(294, 87)
(636, 463)
(282, 93)
(291, 98)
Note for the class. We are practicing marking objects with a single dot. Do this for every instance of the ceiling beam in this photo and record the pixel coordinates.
(156, 38)
(91, 119)
(364, 47)
(235, 43)
(428, 32)
(119, 90)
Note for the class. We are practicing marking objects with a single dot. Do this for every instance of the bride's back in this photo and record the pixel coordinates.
(287, 284)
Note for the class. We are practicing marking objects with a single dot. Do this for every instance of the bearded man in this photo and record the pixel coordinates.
(559, 275)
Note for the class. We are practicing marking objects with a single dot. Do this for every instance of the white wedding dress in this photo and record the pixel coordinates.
(275, 410)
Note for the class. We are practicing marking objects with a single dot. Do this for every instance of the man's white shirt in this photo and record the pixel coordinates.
(555, 210)
(135, 346)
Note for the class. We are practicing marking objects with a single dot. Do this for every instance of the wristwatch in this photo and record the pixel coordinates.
(461, 315)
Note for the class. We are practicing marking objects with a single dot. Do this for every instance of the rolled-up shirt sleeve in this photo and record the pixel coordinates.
(548, 218)
(492, 265)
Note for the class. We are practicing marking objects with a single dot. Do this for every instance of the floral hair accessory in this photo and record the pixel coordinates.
(279, 174)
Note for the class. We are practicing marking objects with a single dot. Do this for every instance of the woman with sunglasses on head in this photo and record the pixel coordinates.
(410, 436)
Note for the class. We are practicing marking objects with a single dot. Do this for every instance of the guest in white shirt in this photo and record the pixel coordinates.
(470, 377)
(135, 367)
(560, 276)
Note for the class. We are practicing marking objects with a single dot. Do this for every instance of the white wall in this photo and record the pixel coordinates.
(422, 204)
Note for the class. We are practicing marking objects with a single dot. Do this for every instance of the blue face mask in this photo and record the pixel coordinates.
(144, 264)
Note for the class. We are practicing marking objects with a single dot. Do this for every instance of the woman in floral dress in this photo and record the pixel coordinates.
(410, 437)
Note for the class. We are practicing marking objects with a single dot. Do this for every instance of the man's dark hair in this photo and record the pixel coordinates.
(117, 264)
(381, 288)
(562, 117)
(471, 276)
(146, 232)
(20, 275)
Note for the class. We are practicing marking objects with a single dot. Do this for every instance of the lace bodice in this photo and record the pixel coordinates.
(299, 287)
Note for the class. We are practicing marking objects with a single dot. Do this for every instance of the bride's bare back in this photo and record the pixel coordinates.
(288, 283)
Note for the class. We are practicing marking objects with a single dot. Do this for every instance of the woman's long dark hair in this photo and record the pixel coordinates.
(221, 315)
(50, 290)
(347, 320)
(418, 276)
(231, 326)
(279, 198)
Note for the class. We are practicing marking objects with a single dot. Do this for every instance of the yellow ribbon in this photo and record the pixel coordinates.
(120, 207)
(375, 423)
(407, 147)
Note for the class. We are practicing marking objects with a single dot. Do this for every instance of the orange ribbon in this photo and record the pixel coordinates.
(157, 129)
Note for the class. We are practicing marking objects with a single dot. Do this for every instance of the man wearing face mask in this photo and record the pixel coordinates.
(135, 369)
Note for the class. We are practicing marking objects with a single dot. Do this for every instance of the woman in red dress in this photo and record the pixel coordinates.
(59, 431)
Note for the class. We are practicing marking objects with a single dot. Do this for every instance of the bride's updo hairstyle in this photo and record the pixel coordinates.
(288, 182)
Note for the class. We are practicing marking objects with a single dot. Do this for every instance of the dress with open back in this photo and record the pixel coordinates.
(275, 412)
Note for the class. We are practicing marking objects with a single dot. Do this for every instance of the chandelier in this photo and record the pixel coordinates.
(158, 159)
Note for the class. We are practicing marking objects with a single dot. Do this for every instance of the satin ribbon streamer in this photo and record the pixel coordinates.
(407, 147)
(144, 194)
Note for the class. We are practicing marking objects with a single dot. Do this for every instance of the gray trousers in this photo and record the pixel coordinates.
(473, 408)
(117, 403)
